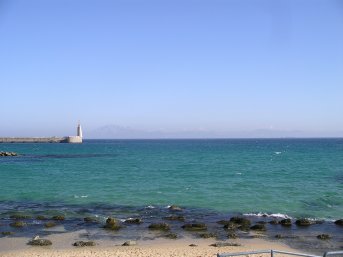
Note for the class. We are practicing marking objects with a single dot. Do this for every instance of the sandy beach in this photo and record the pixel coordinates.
(158, 247)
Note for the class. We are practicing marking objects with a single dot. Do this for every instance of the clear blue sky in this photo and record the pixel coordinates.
(227, 66)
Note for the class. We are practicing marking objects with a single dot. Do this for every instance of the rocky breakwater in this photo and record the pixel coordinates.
(5, 154)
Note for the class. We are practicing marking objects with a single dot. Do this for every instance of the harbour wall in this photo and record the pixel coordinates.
(34, 140)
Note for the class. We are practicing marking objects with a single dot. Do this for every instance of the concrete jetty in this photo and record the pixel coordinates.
(68, 139)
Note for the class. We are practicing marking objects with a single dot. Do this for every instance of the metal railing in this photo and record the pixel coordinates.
(274, 252)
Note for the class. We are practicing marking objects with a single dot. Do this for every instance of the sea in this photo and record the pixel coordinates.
(209, 179)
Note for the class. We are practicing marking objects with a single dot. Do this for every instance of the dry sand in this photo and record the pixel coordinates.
(13, 247)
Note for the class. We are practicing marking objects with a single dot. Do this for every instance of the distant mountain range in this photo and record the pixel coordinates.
(121, 132)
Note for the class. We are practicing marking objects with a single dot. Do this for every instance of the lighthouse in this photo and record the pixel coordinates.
(79, 130)
(78, 138)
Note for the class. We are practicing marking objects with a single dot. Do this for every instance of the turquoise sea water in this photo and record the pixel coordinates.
(297, 177)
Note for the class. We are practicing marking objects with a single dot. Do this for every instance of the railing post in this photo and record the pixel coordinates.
(271, 253)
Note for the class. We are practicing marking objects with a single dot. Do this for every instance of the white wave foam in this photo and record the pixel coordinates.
(150, 207)
(277, 153)
(80, 196)
(272, 215)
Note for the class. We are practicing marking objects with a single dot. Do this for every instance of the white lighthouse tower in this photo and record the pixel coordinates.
(78, 138)
(79, 130)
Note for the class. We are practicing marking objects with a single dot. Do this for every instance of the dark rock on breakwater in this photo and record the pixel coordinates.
(339, 222)
(6, 154)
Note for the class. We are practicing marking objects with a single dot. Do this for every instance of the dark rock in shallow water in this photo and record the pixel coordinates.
(50, 224)
(175, 208)
(19, 216)
(232, 235)
(39, 242)
(223, 244)
(339, 222)
(258, 227)
(90, 219)
(175, 217)
(286, 222)
(274, 222)
(279, 236)
(58, 217)
(40, 217)
(7, 233)
(324, 237)
(241, 221)
(193, 245)
(134, 221)
(224, 222)
(84, 243)
(195, 227)
(171, 236)
(304, 222)
(207, 235)
(129, 243)
(18, 224)
(112, 224)
(231, 225)
(159, 226)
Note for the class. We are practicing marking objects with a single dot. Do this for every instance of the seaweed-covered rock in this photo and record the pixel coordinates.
(286, 222)
(19, 216)
(134, 221)
(129, 243)
(303, 222)
(232, 235)
(40, 217)
(195, 227)
(231, 225)
(18, 224)
(39, 242)
(241, 221)
(323, 236)
(58, 217)
(175, 217)
(84, 243)
(193, 245)
(171, 236)
(159, 226)
(224, 222)
(112, 224)
(50, 224)
(258, 227)
(90, 219)
(207, 235)
(175, 208)
(7, 233)
(223, 244)
(339, 222)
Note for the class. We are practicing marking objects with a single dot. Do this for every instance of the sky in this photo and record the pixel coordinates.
(171, 68)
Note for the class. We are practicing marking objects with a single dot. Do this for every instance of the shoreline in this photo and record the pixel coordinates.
(62, 246)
